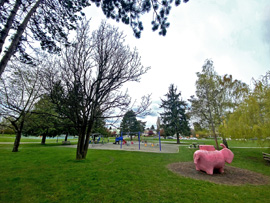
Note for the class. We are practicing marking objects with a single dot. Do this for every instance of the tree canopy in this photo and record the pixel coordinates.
(85, 82)
(215, 98)
(19, 91)
(45, 21)
(129, 124)
(174, 117)
(129, 12)
(45, 121)
(24, 22)
(252, 117)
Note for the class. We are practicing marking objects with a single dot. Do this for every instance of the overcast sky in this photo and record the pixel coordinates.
(234, 34)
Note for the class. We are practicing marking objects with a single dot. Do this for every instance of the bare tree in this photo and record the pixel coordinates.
(90, 79)
(18, 92)
(49, 22)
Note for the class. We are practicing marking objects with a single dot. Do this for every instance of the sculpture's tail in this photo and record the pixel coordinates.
(223, 145)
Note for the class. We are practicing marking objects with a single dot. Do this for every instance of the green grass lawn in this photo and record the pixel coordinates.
(11, 138)
(51, 174)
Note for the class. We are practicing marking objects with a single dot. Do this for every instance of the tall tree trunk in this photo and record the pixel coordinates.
(17, 141)
(211, 119)
(18, 129)
(79, 153)
(215, 135)
(86, 144)
(81, 143)
(177, 136)
(213, 128)
(225, 142)
(44, 136)
(66, 137)
(16, 39)
(6, 29)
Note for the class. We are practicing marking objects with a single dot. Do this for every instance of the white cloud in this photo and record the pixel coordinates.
(235, 34)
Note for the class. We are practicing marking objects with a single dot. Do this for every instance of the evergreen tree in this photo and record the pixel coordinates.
(100, 125)
(167, 130)
(174, 117)
(130, 124)
(47, 22)
(43, 121)
(141, 125)
(46, 122)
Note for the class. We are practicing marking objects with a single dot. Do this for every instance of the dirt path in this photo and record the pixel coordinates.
(231, 175)
(165, 148)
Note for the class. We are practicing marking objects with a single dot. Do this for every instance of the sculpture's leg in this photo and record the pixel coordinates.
(209, 171)
(221, 170)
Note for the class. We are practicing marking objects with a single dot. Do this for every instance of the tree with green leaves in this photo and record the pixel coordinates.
(174, 117)
(251, 119)
(46, 122)
(204, 106)
(230, 94)
(198, 129)
(6, 127)
(167, 130)
(216, 97)
(129, 12)
(26, 21)
(141, 125)
(100, 126)
(42, 121)
(130, 124)
(23, 22)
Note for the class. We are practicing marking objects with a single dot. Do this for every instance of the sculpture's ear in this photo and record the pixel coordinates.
(223, 146)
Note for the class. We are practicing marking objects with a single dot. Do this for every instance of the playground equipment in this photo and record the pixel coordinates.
(207, 159)
(96, 138)
(149, 142)
(120, 139)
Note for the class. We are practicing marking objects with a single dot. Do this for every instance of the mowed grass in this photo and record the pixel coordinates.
(51, 174)
(232, 143)
(11, 138)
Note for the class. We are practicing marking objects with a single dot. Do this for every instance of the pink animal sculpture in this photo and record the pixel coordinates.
(209, 160)
(207, 147)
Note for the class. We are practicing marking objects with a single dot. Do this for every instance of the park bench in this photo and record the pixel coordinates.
(266, 156)
(195, 145)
